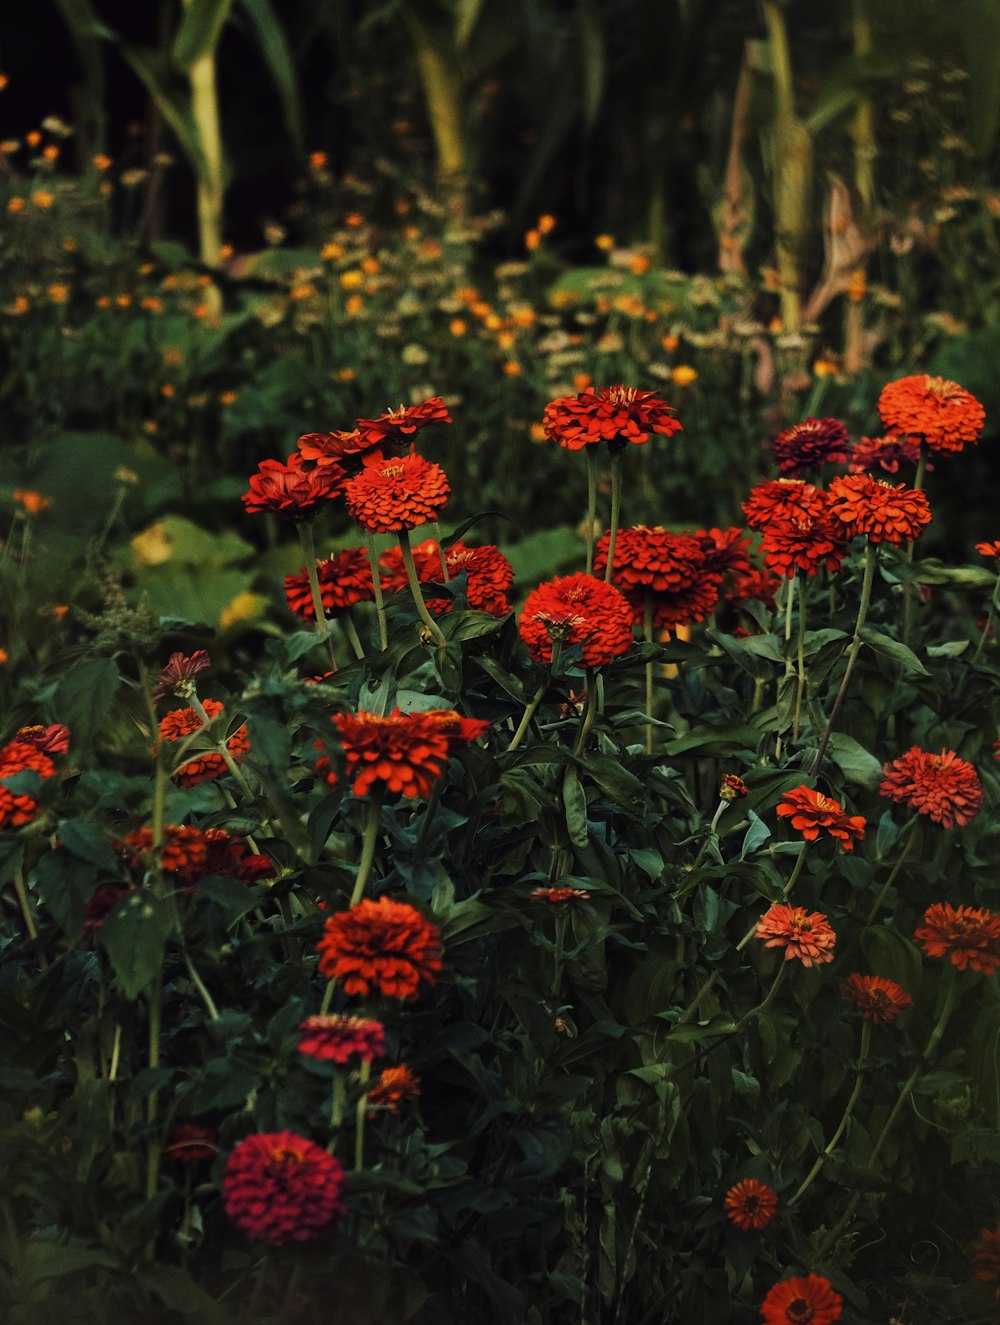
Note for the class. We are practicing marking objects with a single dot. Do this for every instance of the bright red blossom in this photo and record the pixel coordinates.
(577, 609)
(885, 453)
(875, 997)
(969, 936)
(399, 425)
(751, 1204)
(782, 499)
(989, 550)
(345, 578)
(810, 812)
(20, 807)
(941, 413)
(184, 847)
(808, 1301)
(385, 945)
(289, 489)
(202, 766)
(393, 494)
(884, 513)
(394, 1087)
(941, 786)
(617, 414)
(807, 446)
(335, 1038)
(279, 1187)
(804, 542)
(404, 752)
(672, 568)
(559, 896)
(803, 934)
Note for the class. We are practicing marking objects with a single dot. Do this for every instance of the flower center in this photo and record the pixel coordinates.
(287, 1155)
(623, 395)
(392, 471)
(800, 1311)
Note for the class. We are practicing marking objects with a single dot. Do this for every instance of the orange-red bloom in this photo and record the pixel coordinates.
(289, 489)
(279, 1187)
(876, 998)
(577, 609)
(989, 550)
(20, 807)
(488, 575)
(395, 1086)
(942, 786)
(807, 446)
(332, 450)
(804, 542)
(401, 493)
(399, 425)
(336, 1038)
(941, 413)
(885, 453)
(969, 936)
(672, 568)
(203, 766)
(617, 414)
(725, 553)
(808, 1301)
(810, 811)
(559, 896)
(782, 499)
(52, 740)
(385, 945)
(344, 579)
(751, 1204)
(986, 1257)
(228, 855)
(184, 847)
(884, 513)
(404, 752)
(732, 788)
(803, 934)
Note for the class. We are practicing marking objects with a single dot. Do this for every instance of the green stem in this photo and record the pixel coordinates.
(368, 844)
(560, 948)
(360, 1112)
(337, 1106)
(418, 598)
(814, 1172)
(223, 749)
(892, 877)
(199, 984)
(351, 631)
(719, 811)
(591, 454)
(769, 998)
(528, 714)
(589, 712)
(647, 632)
(155, 999)
(25, 904)
(800, 687)
(309, 552)
(383, 633)
(908, 597)
(616, 508)
(987, 628)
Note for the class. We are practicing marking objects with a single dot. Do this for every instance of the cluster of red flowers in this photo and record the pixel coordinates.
(336, 1038)
(969, 936)
(810, 812)
(489, 576)
(751, 1204)
(876, 998)
(203, 766)
(672, 569)
(402, 752)
(805, 447)
(802, 1301)
(395, 1086)
(885, 514)
(942, 787)
(280, 1188)
(803, 934)
(617, 414)
(345, 578)
(577, 609)
(383, 945)
(184, 848)
(26, 755)
(941, 414)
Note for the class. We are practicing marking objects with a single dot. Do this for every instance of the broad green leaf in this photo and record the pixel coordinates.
(891, 648)
(273, 46)
(84, 696)
(199, 32)
(134, 937)
(891, 955)
(148, 68)
(466, 15)
(50, 1260)
(179, 1292)
(756, 835)
(858, 765)
(592, 49)
(575, 805)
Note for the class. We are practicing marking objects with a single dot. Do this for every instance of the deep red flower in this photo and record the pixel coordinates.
(803, 934)
(385, 945)
(403, 752)
(616, 414)
(672, 568)
(757, 584)
(751, 1204)
(395, 1086)
(52, 740)
(577, 609)
(178, 676)
(20, 807)
(805, 542)
(336, 1038)
(228, 855)
(807, 446)
(332, 450)
(184, 847)
(941, 786)
(399, 426)
(810, 811)
(203, 765)
(488, 579)
(940, 413)
(188, 1143)
(345, 578)
(885, 514)
(876, 998)
(969, 936)
(392, 568)
(986, 1257)
(782, 499)
(725, 553)
(393, 494)
(885, 453)
(459, 731)
(559, 896)
(808, 1301)
(291, 490)
(279, 1187)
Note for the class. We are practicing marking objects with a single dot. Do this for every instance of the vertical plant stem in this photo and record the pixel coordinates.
(831, 1146)
(351, 631)
(591, 453)
(309, 552)
(337, 1106)
(863, 129)
(589, 711)
(383, 633)
(647, 631)
(558, 950)
(418, 598)
(526, 717)
(202, 989)
(908, 597)
(892, 877)
(360, 1112)
(988, 626)
(871, 555)
(616, 509)
(368, 844)
(154, 1000)
(800, 688)
(25, 904)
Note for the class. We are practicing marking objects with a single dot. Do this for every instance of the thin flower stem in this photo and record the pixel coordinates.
(324, 1007)
(831, 1145)
(418, 598)
(368, 844)
(337, 1105)
(25, 904)
(789, 600)
(616, 508)
(800, 688)
(871, 555)
(891, 879)
(223, 749)
(709, 837)
(591, 454)
(589, 712)
(988, 627)
(309, 552)
(202, 989)
(918, 484)
(647, 631)
(116, 1049)
(155, 1001)
(560, 947)
(351, 631)
(528, 714)
(383, 633)
(769, 998)
(360, 1111)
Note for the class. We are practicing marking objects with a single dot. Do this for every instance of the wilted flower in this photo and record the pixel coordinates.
(395, 1086)
(188, 1143)
(178, 675)
(732, 788)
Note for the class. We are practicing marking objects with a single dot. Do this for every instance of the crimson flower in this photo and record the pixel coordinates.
(178, 676)
(808, 1301)
(279, 1187)
(336, 1038)
(385, 945)
(345, 578)
(673, 569)
(291, 490)
(986, 1257)
(617, 414)
(559, 896)
(187, 1143)
(394, 1087)
(751, 1204)
(885, 453)
(53, 740)
(806, 446)
(577, 609)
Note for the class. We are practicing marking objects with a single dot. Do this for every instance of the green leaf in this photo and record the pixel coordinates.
(84, 695)
(465, 20)
(88, 841)
(273, 46)
(857, 764)
(592, 49)
(148, 68)
(756, 835)
(716, 740)
(49, 1260)
(178, 1291)
(575, 805)
(134, 936)
(200, 30)
(891, 648)
(894, 957)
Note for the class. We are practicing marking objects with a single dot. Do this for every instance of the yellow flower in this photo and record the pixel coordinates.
(300, 292)
(824, 367)
(151, 304)
(512, 368)
(639, 263)
(683, 374)
(331, 251)
(101, 162)
(546, 223)
(33, 502)
(352, 279)
(354, 305)
(857, 285)
(670, 342)
(458, 326)
(344, 374)
(532, 239)
(19, 306)
(246, 606)
(58, 294)
(605, 243)
(370, 266)
(42, 199)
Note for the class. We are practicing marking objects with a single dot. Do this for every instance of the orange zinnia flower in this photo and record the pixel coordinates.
(806, 446)
(875, 997)
(969, 935)
(399, 425)
(279, 1188)
(810, 811)
(395, 1085)
(19, 807)
(725, 553)
(385, 945)
(808, 1301)
(803, 934)
(884, 513)
(331, 450)
(986, 1257)
(559, 896)
(289, 489)
(577, 609)
(941, 413)
(184, 847)
(804, 542)
(344, 579)
(782, 499)
(943, 787)
(389, 495)
(617, 414)
(672, 568)
(402, 752)
(488, 575)
(336, 1038)
(751, 1204)
(203, 766)
(886, 453)
(989, 550)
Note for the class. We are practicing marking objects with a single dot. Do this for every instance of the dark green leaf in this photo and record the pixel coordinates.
(134, 936)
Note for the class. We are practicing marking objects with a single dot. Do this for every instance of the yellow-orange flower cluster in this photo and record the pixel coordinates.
(385, 945)
(577, 609)
(940, 413)
(882, 512)
(393, 494)
(617, 414)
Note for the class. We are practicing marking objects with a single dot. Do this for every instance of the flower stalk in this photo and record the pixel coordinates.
(308, 543)
(617, 455)
(418, 597)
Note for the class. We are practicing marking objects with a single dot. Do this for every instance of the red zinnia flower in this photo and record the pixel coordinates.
(989, 549)
(184, 847)
(188, 1142)
(616, 414)
(810, 811)
(672, 568)
(941, 413)
(875, 997)
(279, 1187)
(782, 499)
(732, 788)
(459, 731)
(886, 453)
(808, 1301)
(345, 578)
(289, 489)
(725, 552)
(559, 896)
(387, 946)
(757, 584)
(389, 495)
(328, 450)
(399, 425)
(395, 1085)
(751, 1204)
(226, 854)
(806, 446)
(18, 807)
(577, 609)
(986, 1256)
(489, 577)
(804, 542)
(886, 514)
(207, 765)
(335, 1038)
(392, 569)
(52, 740)
(405, 752)
(178, 675)
(942, 787)
(970, 936)
(803, 934)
